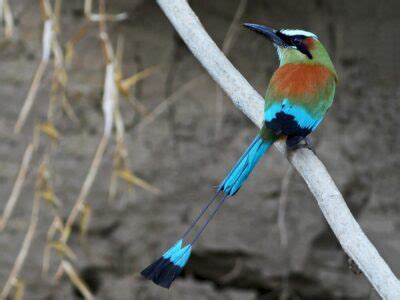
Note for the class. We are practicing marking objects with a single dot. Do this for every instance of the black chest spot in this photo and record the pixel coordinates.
(286, 124)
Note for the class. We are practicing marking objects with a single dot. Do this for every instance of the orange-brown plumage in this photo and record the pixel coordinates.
(299, 81)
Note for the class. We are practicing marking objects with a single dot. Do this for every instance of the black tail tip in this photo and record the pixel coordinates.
(162, 272)
(150, 271)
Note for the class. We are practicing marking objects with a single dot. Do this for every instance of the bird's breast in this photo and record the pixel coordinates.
(300, 81)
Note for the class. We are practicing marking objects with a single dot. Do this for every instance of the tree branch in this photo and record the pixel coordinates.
(330, 200)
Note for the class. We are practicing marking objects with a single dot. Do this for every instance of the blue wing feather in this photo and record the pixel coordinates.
(302, 117)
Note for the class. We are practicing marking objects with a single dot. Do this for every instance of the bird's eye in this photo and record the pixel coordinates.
(296, 41)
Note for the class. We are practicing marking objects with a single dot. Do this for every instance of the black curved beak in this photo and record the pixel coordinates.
(268, 32)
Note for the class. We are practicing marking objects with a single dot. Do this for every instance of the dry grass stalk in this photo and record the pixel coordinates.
(124, 85)
(75, 39)
(86, 213)
(110, 90)
(125, 89)
(120, 154)
(122, 170)
(82, 32)
(121, 165)
(109, 94)
(47, 38)
(8, 19)
(112, 18)
(57, 9)
(69, 111)
(90, 177)
(132, 179)
(1, 11)
(49, 129)
(63, 250)
(60, 77)
(58, 92)
(87, 8)
(11, 202)
(76, 280)
(19, 289)
(56, 226)
(23, 252)
(30, 99)
(19, 182)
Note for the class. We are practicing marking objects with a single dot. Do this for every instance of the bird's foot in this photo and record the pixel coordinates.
(305, 143)
(354, 267)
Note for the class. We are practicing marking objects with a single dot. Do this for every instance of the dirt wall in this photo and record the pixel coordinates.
(240, 255)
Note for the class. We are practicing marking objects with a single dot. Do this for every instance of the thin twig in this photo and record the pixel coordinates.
(60, 77)
(76, 280)
(74, 40)
(81, 199)
(109, 95)
(125, 84)
(19, 289)
(88, 8)
(12, 200)
(90, 177)
(1, 11)
(234, 273)
(8, 19)
(283, 205)
(56, 225)
(162, 107)
(112, 18)
(19, 182)
(226, 47)
(24, 249)
(46, 50)
(109, 99)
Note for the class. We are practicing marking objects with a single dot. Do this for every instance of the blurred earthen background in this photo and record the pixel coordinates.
(240, 256)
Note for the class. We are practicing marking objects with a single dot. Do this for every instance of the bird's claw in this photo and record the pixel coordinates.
(305, 143)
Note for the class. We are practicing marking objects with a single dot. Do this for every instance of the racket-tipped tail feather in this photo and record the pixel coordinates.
(167, 268)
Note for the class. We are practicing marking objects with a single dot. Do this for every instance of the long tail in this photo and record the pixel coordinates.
(167, 268)
(246, 163)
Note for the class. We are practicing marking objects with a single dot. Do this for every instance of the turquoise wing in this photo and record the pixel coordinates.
(291, 118)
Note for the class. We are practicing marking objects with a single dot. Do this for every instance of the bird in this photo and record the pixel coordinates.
(298, 96)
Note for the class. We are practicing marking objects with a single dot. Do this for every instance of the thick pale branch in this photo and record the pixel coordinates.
(330, 200)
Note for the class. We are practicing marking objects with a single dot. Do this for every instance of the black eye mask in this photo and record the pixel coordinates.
(303, 49)
(296, 41)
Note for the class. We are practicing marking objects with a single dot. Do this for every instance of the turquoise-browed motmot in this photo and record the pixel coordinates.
(299, 94)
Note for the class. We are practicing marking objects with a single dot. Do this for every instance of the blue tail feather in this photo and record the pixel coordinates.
(167, 268)
(242, 169)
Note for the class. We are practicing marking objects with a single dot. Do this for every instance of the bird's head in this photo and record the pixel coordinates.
(295, 46)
